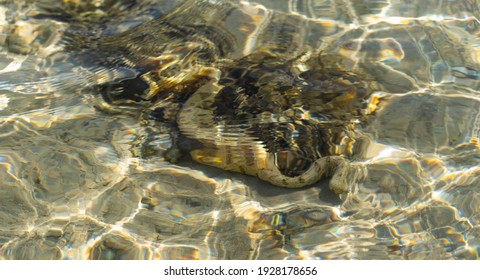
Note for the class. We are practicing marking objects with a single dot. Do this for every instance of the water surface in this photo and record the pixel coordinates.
(75, 182)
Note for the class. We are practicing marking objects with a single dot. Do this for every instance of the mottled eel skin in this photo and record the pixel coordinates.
(264, 117)
(281, 111)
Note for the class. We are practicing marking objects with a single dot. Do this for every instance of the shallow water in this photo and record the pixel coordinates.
(78, 182)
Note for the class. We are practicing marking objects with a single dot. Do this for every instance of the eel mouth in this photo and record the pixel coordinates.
(290, 163)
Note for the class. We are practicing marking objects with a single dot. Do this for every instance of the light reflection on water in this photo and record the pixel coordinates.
(77, 183)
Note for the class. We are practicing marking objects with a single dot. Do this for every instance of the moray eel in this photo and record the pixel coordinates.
(288, 123)
(281, 110)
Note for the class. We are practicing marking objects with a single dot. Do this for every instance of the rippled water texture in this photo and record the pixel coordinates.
(83, 178)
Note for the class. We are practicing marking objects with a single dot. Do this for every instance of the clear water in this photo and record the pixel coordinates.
(74, 184)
